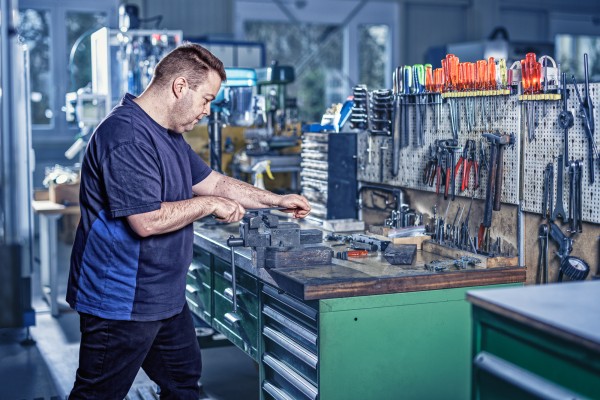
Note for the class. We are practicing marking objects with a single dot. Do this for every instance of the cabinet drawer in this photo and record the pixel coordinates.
(245, 280)
(201, 257)
(246, 300)
(289, 352)
(198, 298)
(286, 381)
(244, 334)
(200, 272)
(302, 313)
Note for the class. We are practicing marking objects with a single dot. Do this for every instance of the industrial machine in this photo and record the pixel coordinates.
(235, 104)
(123, 62)
(256, 99)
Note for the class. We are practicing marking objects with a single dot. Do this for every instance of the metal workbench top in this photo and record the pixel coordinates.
(568, 310)
(358, 277)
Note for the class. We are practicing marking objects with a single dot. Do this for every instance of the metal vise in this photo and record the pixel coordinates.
(277, 244)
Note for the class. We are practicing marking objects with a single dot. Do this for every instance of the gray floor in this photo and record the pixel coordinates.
(46, 370)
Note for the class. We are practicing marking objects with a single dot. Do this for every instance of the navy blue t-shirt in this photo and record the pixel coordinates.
(132, 165)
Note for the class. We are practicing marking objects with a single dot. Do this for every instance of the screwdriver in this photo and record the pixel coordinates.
(502, 82)
(491, 76)
(344, 255)
(429, 82)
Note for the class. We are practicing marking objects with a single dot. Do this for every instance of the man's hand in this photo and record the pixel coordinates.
(226, 210)
(293, 203)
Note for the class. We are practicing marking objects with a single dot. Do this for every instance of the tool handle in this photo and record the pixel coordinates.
(232, 241)
(465, 177)
(447, 183)
(499, 177)
(491, 185)
(458, 164)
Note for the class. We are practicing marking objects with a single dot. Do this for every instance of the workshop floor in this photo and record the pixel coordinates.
(46, 370)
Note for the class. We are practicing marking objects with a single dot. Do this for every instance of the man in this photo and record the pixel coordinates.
(142, 186)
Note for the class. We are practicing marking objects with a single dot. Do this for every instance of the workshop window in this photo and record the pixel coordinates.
(373, 55)
(315, 52)
(569, 54)
(35, 29)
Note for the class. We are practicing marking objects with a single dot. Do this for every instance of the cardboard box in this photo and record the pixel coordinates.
(66, 194)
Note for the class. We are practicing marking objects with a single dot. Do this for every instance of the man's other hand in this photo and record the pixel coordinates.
(227, 210)
(295, 204)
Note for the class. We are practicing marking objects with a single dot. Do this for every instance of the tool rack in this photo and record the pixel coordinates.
(524, 162)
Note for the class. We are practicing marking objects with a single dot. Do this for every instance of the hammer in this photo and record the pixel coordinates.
(495, 175)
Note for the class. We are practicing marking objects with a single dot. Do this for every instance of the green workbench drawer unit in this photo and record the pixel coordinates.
(539, 342)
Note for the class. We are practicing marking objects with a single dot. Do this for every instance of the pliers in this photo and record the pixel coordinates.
(430, 167)
(467, 161)
(442, 172)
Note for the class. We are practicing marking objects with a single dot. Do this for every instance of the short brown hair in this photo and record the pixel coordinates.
(191, 61)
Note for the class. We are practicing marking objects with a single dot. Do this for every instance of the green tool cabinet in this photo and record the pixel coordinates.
(539, 342)
(413, 345)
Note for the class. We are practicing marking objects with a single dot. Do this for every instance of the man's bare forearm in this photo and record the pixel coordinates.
(246, 194)
(171, 216)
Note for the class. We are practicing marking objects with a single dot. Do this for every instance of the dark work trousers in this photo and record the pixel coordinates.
(112, 353)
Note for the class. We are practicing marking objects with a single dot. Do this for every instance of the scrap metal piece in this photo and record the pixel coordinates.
(400, 254)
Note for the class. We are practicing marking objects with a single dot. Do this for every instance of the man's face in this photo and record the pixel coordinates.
(195, 104)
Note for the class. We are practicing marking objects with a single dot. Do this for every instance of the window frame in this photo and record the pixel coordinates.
(332, 12)
(59, 131)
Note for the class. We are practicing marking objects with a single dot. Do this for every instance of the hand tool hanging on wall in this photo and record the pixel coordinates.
(574, 268)
(575, 187)
(493, 195)
(565, 118)
(465, 236)
(397, 121)
(380, 119)
(449, 147)
(467, 162)
(586, 113)
(359, 118)
(418, 87)
(559, 209)
(430, 167)
(406, 85)
(548, 192)
(542, 268)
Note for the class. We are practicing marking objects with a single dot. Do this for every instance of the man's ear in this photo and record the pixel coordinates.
(180, 86)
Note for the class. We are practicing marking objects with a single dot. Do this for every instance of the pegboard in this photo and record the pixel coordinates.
(503, 114)
(549, 144)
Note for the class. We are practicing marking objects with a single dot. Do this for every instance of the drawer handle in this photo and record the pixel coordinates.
(521, 378)
(290, 302)
(295, 349)
(292, 377)
(290, 324)
(228, 293)
(275, 392)
(190, 289)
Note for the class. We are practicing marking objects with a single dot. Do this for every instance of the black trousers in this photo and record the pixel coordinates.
(112, 353)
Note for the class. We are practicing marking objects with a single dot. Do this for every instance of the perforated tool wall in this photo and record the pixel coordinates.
(506, 114)
(492, 113)
(548, 145)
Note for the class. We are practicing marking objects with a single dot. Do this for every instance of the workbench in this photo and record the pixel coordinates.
(537, 342)
(355, 329)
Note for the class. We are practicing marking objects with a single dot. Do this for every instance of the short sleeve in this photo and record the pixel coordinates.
(198, 167)
(132, 179)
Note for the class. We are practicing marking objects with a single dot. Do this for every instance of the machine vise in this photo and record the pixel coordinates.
(278, 244)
